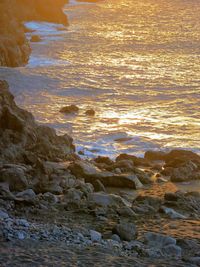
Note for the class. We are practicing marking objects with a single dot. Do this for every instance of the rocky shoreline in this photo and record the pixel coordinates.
(57, 209)
(14, 46)
(49, 195)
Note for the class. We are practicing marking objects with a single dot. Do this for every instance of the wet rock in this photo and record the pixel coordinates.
(15, 177)
(90, 112)
(69, 109)
(126, 231)
(105, 160)
(35, 38)
(136, 161)
(95, 236)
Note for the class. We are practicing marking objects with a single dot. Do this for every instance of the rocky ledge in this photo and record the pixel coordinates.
(52, 201)
(14, 47)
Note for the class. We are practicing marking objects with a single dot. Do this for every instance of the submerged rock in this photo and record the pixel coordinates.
(69, 109)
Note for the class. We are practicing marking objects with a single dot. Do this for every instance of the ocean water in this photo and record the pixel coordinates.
(137, 63)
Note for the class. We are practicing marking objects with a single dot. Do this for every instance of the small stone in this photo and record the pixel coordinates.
(95, 236)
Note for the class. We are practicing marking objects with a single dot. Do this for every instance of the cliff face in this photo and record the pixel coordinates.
(14, 48)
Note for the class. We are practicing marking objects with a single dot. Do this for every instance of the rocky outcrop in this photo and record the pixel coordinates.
(14, 47)
(22, 139)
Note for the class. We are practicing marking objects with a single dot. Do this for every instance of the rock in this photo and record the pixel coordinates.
(15, 177)
(172, 213)
(83, 169)
(21, 235)
(154, 155)
(98, 186)
(103, 199)
(105, 160)
(69, 109)
(183, 173)
(157, 240)
(126, 231)
(35, 38)
(22, 222)
(116, 238)
(49, 198)
(73, 195)
(3, 215)
(195, 260)
(136, 161)
(185, 155)
(95, 236)
(172, 251)
(90, 112)
(5, 191)
(126, 212)
(28, 195)
(169, 196)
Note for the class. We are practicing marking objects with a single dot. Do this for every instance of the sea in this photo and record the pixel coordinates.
(135, 62)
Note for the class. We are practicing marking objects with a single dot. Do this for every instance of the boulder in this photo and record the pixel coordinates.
(158, 240)
(83, 169)
(126, 231)
(184, 173)
(154, 155)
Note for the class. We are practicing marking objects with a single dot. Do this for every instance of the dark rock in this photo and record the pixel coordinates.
(136, 161)
(69, 109)
(90, 112)
(154, 155)
(15, 177)
(126, 231)
(98, 186)
(105, 160)
(35, 38)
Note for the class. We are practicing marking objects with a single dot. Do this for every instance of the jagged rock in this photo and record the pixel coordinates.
(22, 140)
(126, 231)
